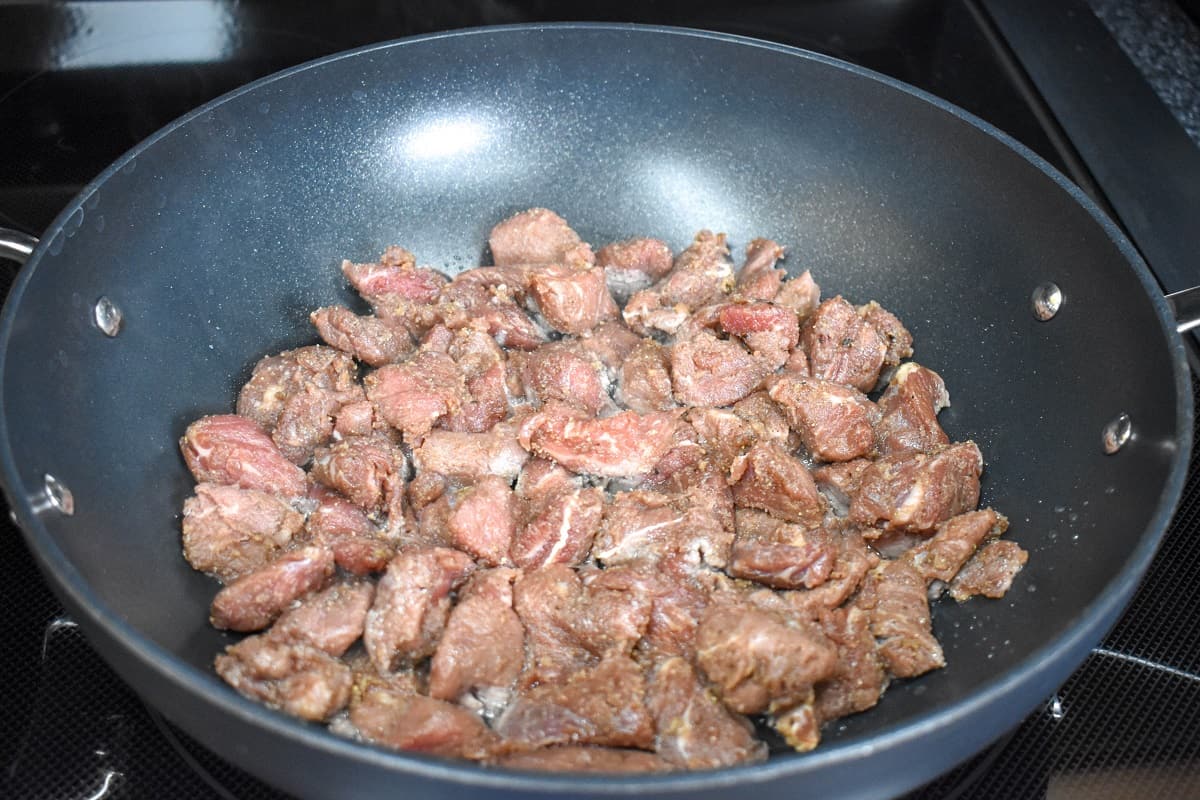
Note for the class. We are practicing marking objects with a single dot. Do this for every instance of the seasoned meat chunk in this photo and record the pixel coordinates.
(842, 347)
(414, 395)
(840, 481)
(396, 276)
(769, 479)
(492, 310)
(694, 730)
(644, 380)
(894, 596)
(781, 554)
(766, 419)
(677, 600)
(623, 445)
(610, 343)
(914, 492)
(252, 602)
(561, 371)
(369, 339)
(483, 520)
(941, 556)
(357, 418)
(723, 434)
(702, 275)
(412, 603)
(482, 649)
(604, 704)
(344, 528)
(232, 450)
(909, 407)
(541, 478)
(707, 371)
(645, 313)
(859, 679)
(584, 759)
(834, 421)
(230, 532)
(537, 236)
(990, 572)
(634, 264)
(368, 470)
(330, 620)
(560, 528)
(801, 294)
(294, 677)
(758, 279)
(891, 331)
(485, 373)
(572, 300)
(651, 526)
(770, 331)
(471, 456)
(405, 721)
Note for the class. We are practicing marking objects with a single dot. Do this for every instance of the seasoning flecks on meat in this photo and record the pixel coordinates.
(758, 278)
(412, 722)
(537, 236)
(676, 598)
(492, 310)
(711, 372)
(470, 456)
(701, 275)
(230, 532)
(801, 294)
(396, 276)
(623, 445)
(769, 479)
(909, 407)
(859, 679)
(573, 758)
(610, 343)
(891, 331)
(990, 571)
(941, 556)
(484, 370)
(483, 520)
(562, 372)
(253, 601)
(770, 331)
(834, 421)
(294, 677)
(414, 395)
(330, 620)
(842, 347)
(894, 595)
(233, 450)
(369, 339)
(559, 528)
(781, 554)
(345, 530)
(412, 603)
(634, 264)
(914, 492)
(723, 434)
(368, 470)
(839, 482)
(644, 380)
(572, 300)
(652, 526)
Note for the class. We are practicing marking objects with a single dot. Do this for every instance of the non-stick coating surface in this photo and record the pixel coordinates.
(220, 234)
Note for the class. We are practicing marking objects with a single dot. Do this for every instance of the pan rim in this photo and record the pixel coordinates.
(1094, 617)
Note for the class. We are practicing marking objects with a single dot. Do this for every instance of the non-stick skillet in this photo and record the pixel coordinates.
(214, 238)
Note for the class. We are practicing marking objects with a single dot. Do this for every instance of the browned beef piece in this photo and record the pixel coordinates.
(694, 730)
(723, 434)
(358, 419)
(584, 759)
(484, 369)
(634, 264)
(344, 528)
(707, 371)
(796, 364)
(230, 532)
(890, 329)
(644, 380)
(572, 300)
(941, 556)
(395, 276)
(415, 395)
(471, 304)
(369, 339)
(895, 597)
(767, 478)
(483, 520)
(801, 294)
(758, 660)
(405, 721)
(623, 445)
(252, 602)
(645, 313)
(569, 626)
(330, 620)
(294, 677)
(859, 679)
(610, 342)
(840, 481)
(914, 492)
(603, 704)
(781, 554)
(470, 456)
(910, 406)
(537, 236)
(766, 419)
(412, 603)
(835, 422)
(842, 347)
(677, 599)
(770, 331)
(482, 650)
(702, 275)
(232, 450)
(758, 279)
(368, 470)
(541, 478)
(559, 528)
(651, 526)
(850, 568)
(425, 487)
(990, 571)
(562, 371)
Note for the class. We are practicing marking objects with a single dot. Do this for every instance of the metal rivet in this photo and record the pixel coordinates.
(54, 495)
(107, 316)
(1117, 432)
(1047, 299)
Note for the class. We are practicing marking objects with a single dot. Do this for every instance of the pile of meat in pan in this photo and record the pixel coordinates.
(588, 511)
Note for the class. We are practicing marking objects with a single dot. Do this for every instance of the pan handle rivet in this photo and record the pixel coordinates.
(1117, 432)
(1047, 299)
(107, 316)
(54, 495)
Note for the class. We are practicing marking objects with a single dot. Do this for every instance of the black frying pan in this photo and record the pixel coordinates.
(217, 235)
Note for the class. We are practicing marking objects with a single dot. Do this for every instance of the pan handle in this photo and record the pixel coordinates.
(16, 246)
(1186, 307)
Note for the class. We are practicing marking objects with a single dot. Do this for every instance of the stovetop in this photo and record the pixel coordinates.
(82, 82)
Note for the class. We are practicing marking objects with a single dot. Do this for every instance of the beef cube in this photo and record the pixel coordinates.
(677, 601)
(835, 422)
(230, 532)
(644, 380)
(252, 602)
(610, 343)
(758, 660)
(561, 371)
(410, 722)
(572, 300)
(645, 313)
(695, 731)
(612, 760)
(603, 704)
(766, 419)
(723, 434)
(909, 407)
(624, 445)
(840, 481)
(560, 528)
(770, 331)
(369, 339)
(368, 470)
(859, 679)
(891, 331)
(801, 294)
(537, 236)
(702, 274)
(650, 526)
(471, 456)
(769, 479)
(485, 373)
(411, 605)
(780, 554)
(842, 347)
(232, 450)
(990, 571)
(413, 396)
(541, 479)
(293, 677)
(634, 264)
(396, 277)
(357, 419)
(330, 620)
(469, 304)
(894, 596)
(345, 530)
(482, 650)
(796, 365)
(941, 556)
(914, 492)
(707, 371)
(482, 520)
(758, 279)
